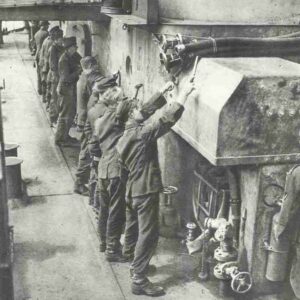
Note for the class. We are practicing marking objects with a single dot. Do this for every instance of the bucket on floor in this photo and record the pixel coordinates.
(11, 149)
(13, 177)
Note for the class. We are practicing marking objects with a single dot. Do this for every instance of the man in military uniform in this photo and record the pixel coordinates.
(44, 61)
(39, 38)
(32, 27)
(69, 70)
(87, 93)
(90, 73)
(138, 152)
(94, 109)
(55, 53)
(108, 129)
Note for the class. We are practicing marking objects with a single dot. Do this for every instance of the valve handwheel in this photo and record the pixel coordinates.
(241, 282)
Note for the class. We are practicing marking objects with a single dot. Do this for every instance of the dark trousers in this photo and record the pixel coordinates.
(141, 232)
(48, 91)
(112, 212)
(93, 187)
(81, 102)
(67, 111)
(53, 106)
(43, 76)
(84, 161)
(39, 80)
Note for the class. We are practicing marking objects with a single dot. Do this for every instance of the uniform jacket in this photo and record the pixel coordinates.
(95, 112)
(86, 83)
(44, 55)
(68, 69)
(93, 100)
(39, 38)
(55, 53)
(138, 151)
(108, 131)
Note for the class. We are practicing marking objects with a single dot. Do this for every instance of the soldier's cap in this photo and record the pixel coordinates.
(44, 23)
(69, 42)
(148, 108)
(97, 77)
(58, 34)
(104, 83)
(88, 61)
(124, 109)
(54, 29)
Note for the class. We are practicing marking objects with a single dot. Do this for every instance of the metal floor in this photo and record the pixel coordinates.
(56, 247)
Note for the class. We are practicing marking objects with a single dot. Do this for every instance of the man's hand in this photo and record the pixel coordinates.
(168, 87)
(188, 88)
(115, 75)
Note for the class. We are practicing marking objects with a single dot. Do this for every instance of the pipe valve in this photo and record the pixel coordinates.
(191, 227)
(169, 217)
(241, 282)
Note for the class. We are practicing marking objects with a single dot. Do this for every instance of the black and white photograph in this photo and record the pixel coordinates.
(149, 148)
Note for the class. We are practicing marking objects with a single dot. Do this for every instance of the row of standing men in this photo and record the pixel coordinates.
(118, 148)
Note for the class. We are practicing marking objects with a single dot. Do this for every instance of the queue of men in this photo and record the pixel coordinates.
(118, 157)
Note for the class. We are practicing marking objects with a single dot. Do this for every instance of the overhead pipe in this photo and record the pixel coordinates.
(232, 44)
(241, 53)
(231, 47)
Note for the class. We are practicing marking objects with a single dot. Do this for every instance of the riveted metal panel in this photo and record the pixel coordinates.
(245, 111)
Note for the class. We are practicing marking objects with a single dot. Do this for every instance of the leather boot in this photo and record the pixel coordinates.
(114, 252)
(115, 257)
(81, 189)
(142, 286)
(102, 247)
